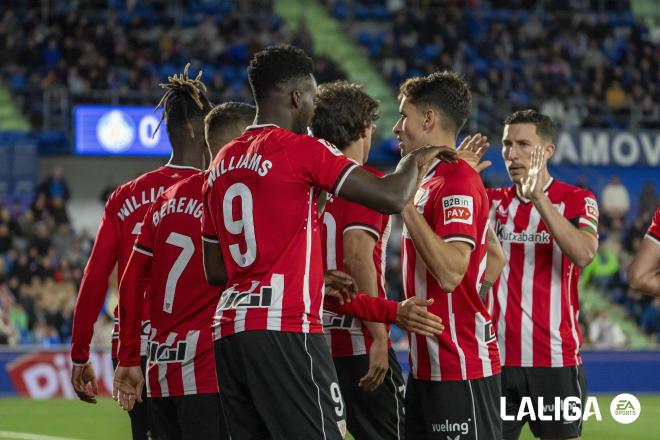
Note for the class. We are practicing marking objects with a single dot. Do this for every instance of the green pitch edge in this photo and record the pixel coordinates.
(10, 118)
(331, 39)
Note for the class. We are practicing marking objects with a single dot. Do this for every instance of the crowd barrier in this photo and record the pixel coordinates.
(42, 374)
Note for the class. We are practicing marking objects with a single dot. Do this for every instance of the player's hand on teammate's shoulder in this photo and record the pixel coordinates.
(340, 285)
(127, 386)
(472, 149)
(84, 384)
(425, 155)
(412, 316)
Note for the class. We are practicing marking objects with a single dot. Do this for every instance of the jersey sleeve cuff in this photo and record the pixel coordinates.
(364, 227)
(653, 238)
(392, 308)
(342, 177)
(79, 363)
(210, 239)
(464, 238)
(143, 250)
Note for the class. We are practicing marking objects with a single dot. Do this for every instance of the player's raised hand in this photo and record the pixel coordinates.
(340, 285)
(379, 364)
(532, 185)
(412, 316)
(472, 150)
(127, 386)
(84, 384)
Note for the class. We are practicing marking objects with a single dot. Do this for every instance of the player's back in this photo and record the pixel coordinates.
(453, 201)
(181, 302)
(261, 196)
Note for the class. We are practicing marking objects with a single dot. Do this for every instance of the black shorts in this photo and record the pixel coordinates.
(193, 417)
(535, 382)
(278, 385)
(457, 409)
(374, 414)
(141, 424)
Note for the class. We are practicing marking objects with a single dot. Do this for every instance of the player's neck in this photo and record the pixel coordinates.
(443, 139)
(274, 115)
(354, 151)
(189, 157)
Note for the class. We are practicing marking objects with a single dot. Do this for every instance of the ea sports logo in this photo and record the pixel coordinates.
(625, 408)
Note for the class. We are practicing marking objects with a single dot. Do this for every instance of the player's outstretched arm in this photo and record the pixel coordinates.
(390, 193)
(411, 315)
(644, 271)
(132, 286)
(578, 245)
(214, 264)
(91, 296)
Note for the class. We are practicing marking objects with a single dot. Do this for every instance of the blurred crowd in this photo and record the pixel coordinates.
(584, 63)
(96, 54)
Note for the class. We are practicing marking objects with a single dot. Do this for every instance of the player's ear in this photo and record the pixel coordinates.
(430, 119)
(296, 98)
(548, 151)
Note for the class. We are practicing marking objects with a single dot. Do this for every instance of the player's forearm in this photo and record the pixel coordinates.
(495, 260)
(643, 273)
(387, 194)
(362, 269)
(366, 308)
(446, 263)
(580, 247)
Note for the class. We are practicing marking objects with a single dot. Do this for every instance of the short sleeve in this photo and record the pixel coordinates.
(319, 163)
(209, 232)
(357, 216)
(654, 230)
(454, 215)
(144, 243)
(582, 211)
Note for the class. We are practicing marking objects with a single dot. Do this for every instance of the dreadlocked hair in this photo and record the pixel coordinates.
(184, 101)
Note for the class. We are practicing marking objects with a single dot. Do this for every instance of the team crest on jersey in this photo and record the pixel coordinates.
(591, 207)
(457, 209)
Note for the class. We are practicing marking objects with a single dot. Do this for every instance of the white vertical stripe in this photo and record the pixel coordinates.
(384, 239)
(480, 334)
(474, 413)
(452, 330)
(421, 291)
(217, 319)
(503, 288)
(331, 241)
(404, 263)
(357, 341)
(188, 365)
(318, 390)
(413, 353)
(572, 312)
(527, 293)
(162, 368)
(396, 402)
(308, 252)
(556, 352)
(274, 321)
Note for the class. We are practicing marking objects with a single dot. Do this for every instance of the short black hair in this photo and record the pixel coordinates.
(446, 91)
(228, 115)
(343, 110)
(545, 126)
(275, 65)
(184, 103)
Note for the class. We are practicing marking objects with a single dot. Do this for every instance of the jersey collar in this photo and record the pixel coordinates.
(180, 167)
(545, 190)
(252, 127)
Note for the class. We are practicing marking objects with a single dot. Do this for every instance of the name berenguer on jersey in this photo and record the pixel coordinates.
(245, 161)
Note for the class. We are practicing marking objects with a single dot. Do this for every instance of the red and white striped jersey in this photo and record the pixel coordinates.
(453, 201)
(654, 230)
(345, 334)
(180, 301)
(535, 305)
(120, 224)
(260, 206)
